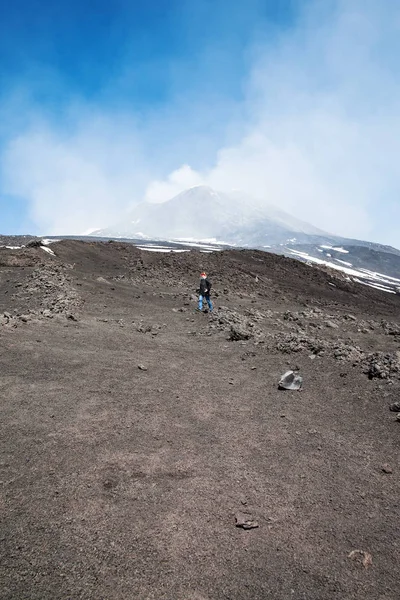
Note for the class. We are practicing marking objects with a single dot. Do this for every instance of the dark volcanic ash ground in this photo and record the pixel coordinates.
(140, 439)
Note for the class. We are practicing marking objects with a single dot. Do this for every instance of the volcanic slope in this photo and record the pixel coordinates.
(134, 430)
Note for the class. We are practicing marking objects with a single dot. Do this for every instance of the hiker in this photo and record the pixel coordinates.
(204, 291)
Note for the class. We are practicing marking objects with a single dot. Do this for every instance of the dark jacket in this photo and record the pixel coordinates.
(205, 287)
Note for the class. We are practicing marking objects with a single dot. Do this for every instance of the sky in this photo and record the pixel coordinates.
(104, 104)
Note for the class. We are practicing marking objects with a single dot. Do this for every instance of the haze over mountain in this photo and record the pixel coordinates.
(202, 213)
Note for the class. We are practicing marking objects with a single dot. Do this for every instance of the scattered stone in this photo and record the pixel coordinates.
(142, 368)
(332, 325)
(246, 355)
(142, 328)
(398, 417)
(245, 521)
(290, 381)
(395, 407)
(364, 558)
(387, 469)
(238, 333)
(390, 328)
(71, 317)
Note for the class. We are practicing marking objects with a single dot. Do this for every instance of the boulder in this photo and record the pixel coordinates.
(290, 381)
(238, 333)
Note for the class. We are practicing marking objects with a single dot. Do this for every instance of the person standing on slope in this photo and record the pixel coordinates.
(205, 288)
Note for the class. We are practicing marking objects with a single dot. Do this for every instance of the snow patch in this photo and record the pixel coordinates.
(161, 249)
(377, 280)
(343, 262)
(374, 274)
(48, 250)
(202, 241)
(197, 245)
(377, 286)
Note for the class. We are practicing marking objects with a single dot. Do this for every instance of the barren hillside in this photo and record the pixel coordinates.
(137, 434)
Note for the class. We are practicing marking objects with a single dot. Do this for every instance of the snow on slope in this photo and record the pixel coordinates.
(373, 279)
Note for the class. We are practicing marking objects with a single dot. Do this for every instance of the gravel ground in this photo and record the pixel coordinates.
(136, 435)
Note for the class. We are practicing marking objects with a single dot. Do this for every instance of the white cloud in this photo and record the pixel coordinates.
(77, 180)
(324, 133)
(320, 137)
(180, 179)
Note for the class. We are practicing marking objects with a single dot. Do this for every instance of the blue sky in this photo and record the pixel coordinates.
(105, 103)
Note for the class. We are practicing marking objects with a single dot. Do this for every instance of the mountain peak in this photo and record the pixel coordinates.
(197, 192)
(201, 212)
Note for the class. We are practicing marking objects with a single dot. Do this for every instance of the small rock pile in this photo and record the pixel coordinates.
(51, 291)
(288, 343)
(390, 328)
(348, 352)
(312, 313)
(380, 365)
(240, 327)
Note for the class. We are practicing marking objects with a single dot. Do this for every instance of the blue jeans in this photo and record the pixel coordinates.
(207, 297)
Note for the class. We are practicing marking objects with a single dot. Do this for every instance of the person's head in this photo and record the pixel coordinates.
(203, 275)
